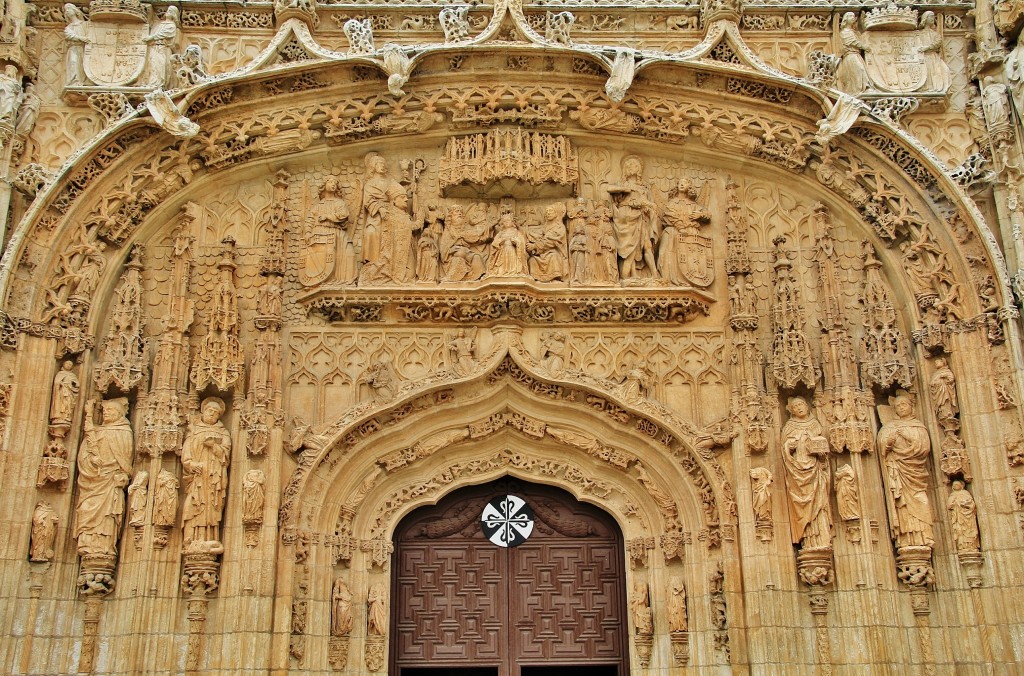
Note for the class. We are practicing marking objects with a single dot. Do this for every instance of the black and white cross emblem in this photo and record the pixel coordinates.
(507, 521)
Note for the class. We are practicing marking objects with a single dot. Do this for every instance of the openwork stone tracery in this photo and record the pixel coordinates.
(752, 318)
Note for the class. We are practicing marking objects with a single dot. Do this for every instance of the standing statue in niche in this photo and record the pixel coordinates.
(643, 618)
(963, 518)
(677, 621)
(376, 610)
(165, 499)
(138, 497)
(548, 259)
(761, 494)
(65, 395)
(943, 390)
(204, 457)
(341, 609)
(44, 533)
(905, 447)
(508, 249)
(805, 456)
(376, 201)
(104, 470)
(852, 73)
(10, 95)
(635, 223)
(847, 493)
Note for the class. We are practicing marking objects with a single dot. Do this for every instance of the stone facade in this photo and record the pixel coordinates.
(742, 275)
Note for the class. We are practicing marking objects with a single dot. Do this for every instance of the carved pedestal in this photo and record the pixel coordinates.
(337, 652)
(643, 643)
(680, 647)
(374, 653)
(199, 579)
(815, 566)
(95, 581)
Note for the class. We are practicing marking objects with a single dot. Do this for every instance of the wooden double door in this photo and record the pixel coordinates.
(553, 604)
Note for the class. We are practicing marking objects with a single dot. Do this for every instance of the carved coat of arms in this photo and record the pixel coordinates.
(895, 61)
(115, 53)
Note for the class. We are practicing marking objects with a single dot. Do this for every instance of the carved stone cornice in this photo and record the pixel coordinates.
(500, 302)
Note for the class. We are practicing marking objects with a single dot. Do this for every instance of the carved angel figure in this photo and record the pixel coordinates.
(162, 40)
(805, 456)
(852, 73)
(104, 469)
(204, 457)
(44, 533)
(75, 39)
(552, 351)
(905, 447)
(462, 351)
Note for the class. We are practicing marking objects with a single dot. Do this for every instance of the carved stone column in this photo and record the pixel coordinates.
(95, 582)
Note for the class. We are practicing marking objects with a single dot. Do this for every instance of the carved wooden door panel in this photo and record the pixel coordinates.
(463, 605)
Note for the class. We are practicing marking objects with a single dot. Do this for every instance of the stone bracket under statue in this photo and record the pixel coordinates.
(486, 301)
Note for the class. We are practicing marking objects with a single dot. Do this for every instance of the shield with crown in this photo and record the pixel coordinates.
(115, 54)
(894, 60)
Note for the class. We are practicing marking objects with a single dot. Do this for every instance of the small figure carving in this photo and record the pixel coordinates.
(643, 618)
(677, 620)
(581, 244)
(943, 390)
(508, 249)
(462, 351)
(852, 73)
(138, 497)
(993, 102)
(376, 610)
(165, 499)
(428, 247)
(636, 382)
(548, 259)
(963, 519)
(253, 496)
(805, 456)
(188, 66)
(462, 242)
(600, 230)
(75, 38)
(204, 458)
(552, 351)
(104, 470)
(847, 493)
(341, 609)
(65, 395)
(44, 533)
(381, 378)
(28, 111)
(905, 447)
(634, 221)
(162, 40)
(760, 487)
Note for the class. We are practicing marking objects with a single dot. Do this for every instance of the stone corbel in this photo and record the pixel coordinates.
(621, 78)
(167, 115)
(840, 118)
(398, 67)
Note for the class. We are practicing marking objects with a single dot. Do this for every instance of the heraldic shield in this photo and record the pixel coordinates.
(115, 53)
(319, 256)
(696, 260)
(894, 61)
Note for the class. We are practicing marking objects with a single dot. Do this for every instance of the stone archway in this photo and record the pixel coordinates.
(554, 600)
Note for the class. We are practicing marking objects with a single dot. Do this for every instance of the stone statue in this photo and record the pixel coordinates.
(552, 351)
(165, 499)
(805, 456)
(341, 609)
(394, 260)
(508, 256)
(677, 621)
(28, 111)
(905, 447)
(44, 533)
(463, 243)
(75, 39)
(635, 223)
(376, 200)
(428, 247)
(138, 496)
(65, 395)
(548, 259)
(600, 230)
(204, 457)
(462, 351)
(943, 390)
(993, 102)
(852, 73)
(10, 95)
(253, 496)
(683, 217)
(376, 610)
(760, 487)
(381, 378)
(930, 44)
(643, 618)
(581, 244)
(162, 40)
(104, 470)
(963, 519)
(847, 493)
